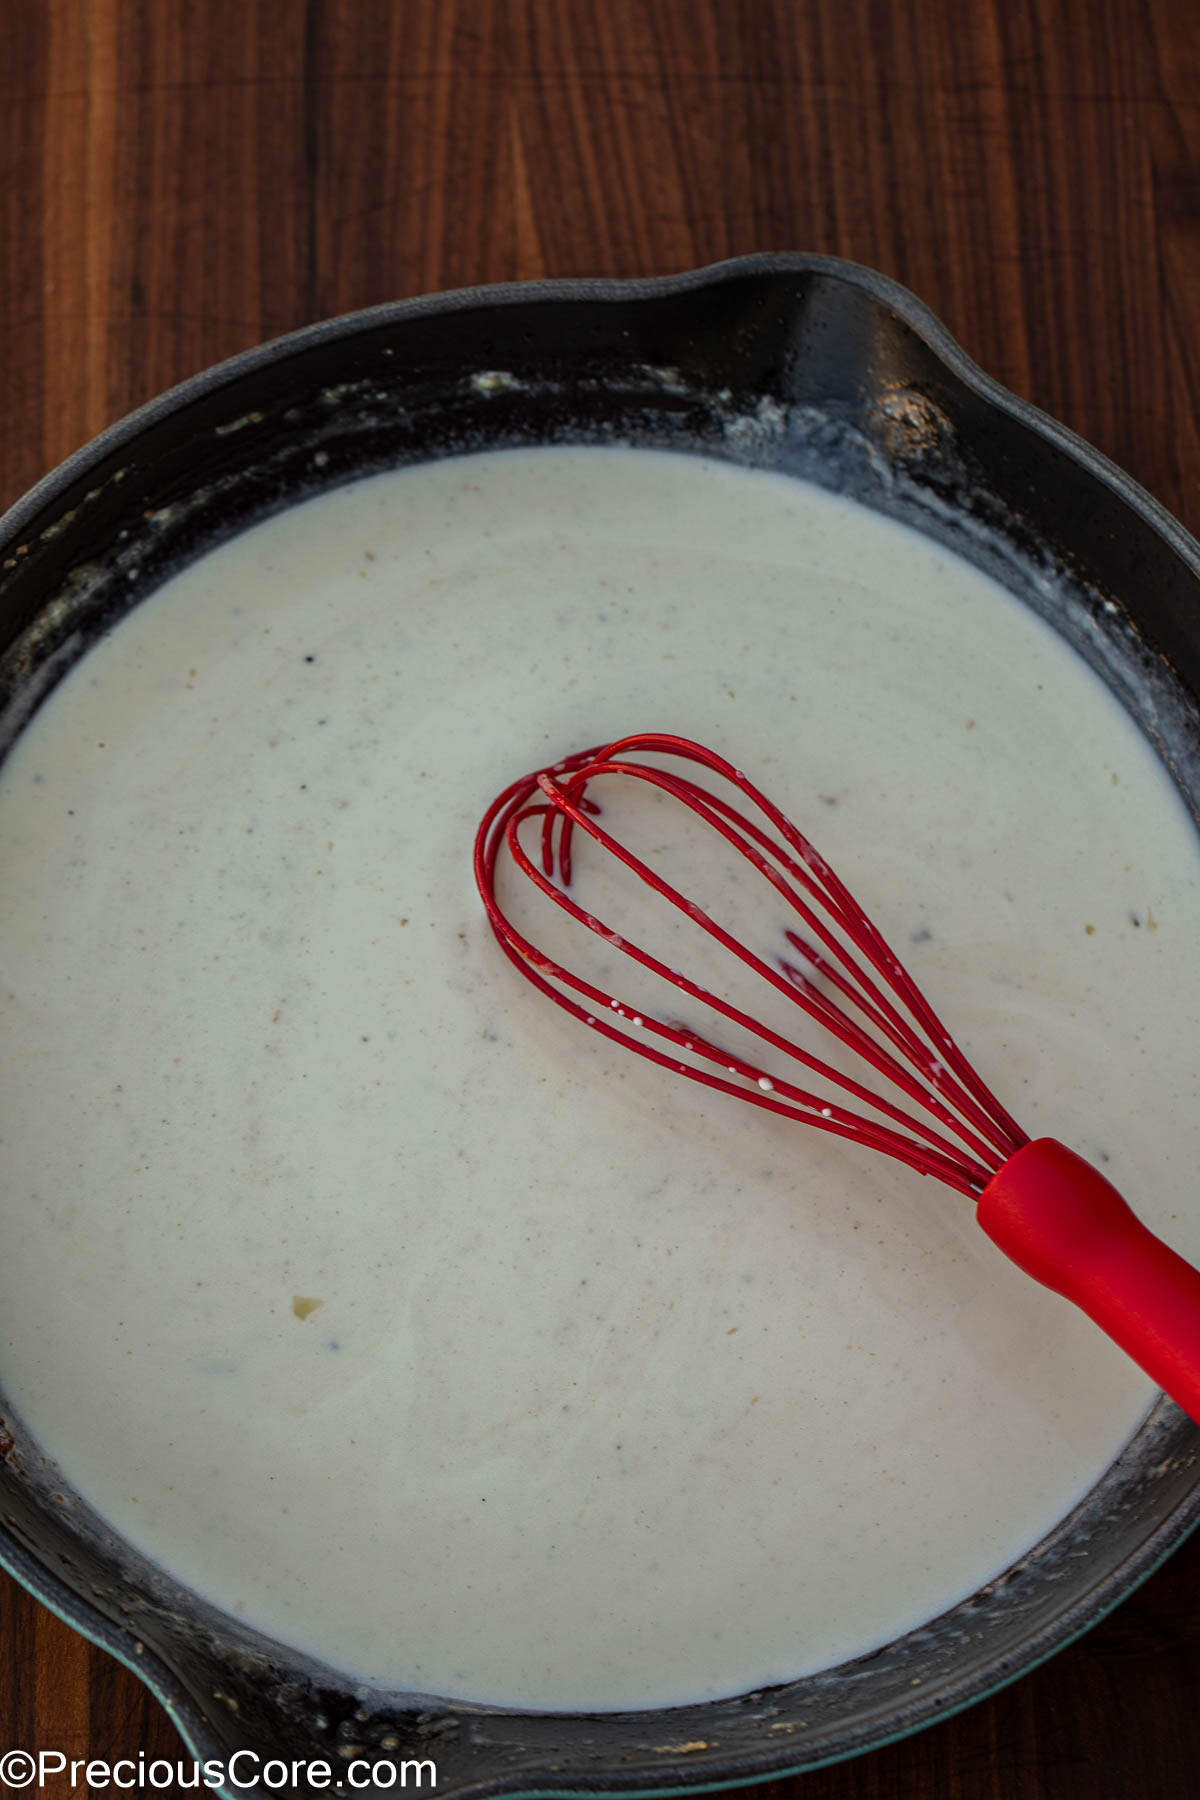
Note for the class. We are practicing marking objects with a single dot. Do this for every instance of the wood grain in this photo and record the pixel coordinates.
(180, 180)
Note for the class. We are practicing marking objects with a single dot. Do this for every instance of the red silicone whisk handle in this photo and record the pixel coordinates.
(1064, 1224)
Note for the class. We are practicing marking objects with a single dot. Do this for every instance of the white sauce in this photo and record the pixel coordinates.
(616, 1395)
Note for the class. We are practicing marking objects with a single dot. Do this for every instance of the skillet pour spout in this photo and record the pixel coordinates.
(800, 364)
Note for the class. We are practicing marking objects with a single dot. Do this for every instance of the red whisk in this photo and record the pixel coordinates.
(1046, 1208)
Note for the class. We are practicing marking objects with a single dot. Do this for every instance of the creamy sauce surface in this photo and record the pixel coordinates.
(396, 1313)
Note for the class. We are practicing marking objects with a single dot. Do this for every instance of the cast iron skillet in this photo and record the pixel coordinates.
(797, 363)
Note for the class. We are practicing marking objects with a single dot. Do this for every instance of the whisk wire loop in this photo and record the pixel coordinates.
(933, 1074)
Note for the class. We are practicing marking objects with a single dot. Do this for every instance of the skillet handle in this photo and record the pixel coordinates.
(1058, 1218)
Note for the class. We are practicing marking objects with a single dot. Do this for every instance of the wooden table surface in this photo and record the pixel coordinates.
(179, 180)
